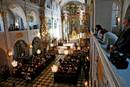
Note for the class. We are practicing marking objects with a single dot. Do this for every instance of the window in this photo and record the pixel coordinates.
(115, 14)
(1, 24)
(49, 23)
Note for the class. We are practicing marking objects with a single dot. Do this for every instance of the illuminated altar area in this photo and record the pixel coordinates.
(74, 35)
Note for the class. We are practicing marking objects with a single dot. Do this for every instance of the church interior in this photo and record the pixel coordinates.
(54, 43)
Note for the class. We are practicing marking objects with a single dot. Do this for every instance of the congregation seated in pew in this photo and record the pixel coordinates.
(29, 71)
(69, 69)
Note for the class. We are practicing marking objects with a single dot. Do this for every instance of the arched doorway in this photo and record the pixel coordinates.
(36, 45)
(21, 50)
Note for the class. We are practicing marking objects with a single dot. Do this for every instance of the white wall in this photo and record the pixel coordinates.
(63, 2)
(3, 43)
(103, 14)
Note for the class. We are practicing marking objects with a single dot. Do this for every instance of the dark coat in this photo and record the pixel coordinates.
(123, 42)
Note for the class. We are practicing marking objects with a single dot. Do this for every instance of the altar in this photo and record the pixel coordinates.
(67, 47)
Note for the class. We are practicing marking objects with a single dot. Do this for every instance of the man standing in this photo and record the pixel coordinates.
(123, 43)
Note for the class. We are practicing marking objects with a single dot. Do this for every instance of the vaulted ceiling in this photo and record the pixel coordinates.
(63, 2)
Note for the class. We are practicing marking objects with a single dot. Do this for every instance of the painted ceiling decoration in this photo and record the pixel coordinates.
(73, 9)
(63, 2)
(18, 12)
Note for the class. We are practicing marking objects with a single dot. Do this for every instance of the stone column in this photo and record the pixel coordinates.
(43, 30)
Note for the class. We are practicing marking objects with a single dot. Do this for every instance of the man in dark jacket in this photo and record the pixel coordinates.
(123, 43)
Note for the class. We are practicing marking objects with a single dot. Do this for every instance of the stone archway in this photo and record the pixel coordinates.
(36, 44)
(63, 2)
(21, 49)
(19, 15)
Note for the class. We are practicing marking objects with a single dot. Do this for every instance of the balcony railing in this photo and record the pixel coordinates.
(102, 73)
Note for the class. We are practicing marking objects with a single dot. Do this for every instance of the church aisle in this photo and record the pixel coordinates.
(45, 79)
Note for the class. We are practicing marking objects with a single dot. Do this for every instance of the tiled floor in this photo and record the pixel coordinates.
(45, 79)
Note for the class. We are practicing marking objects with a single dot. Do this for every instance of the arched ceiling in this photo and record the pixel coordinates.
(63, 2)
(71, 4)
(18, 12)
